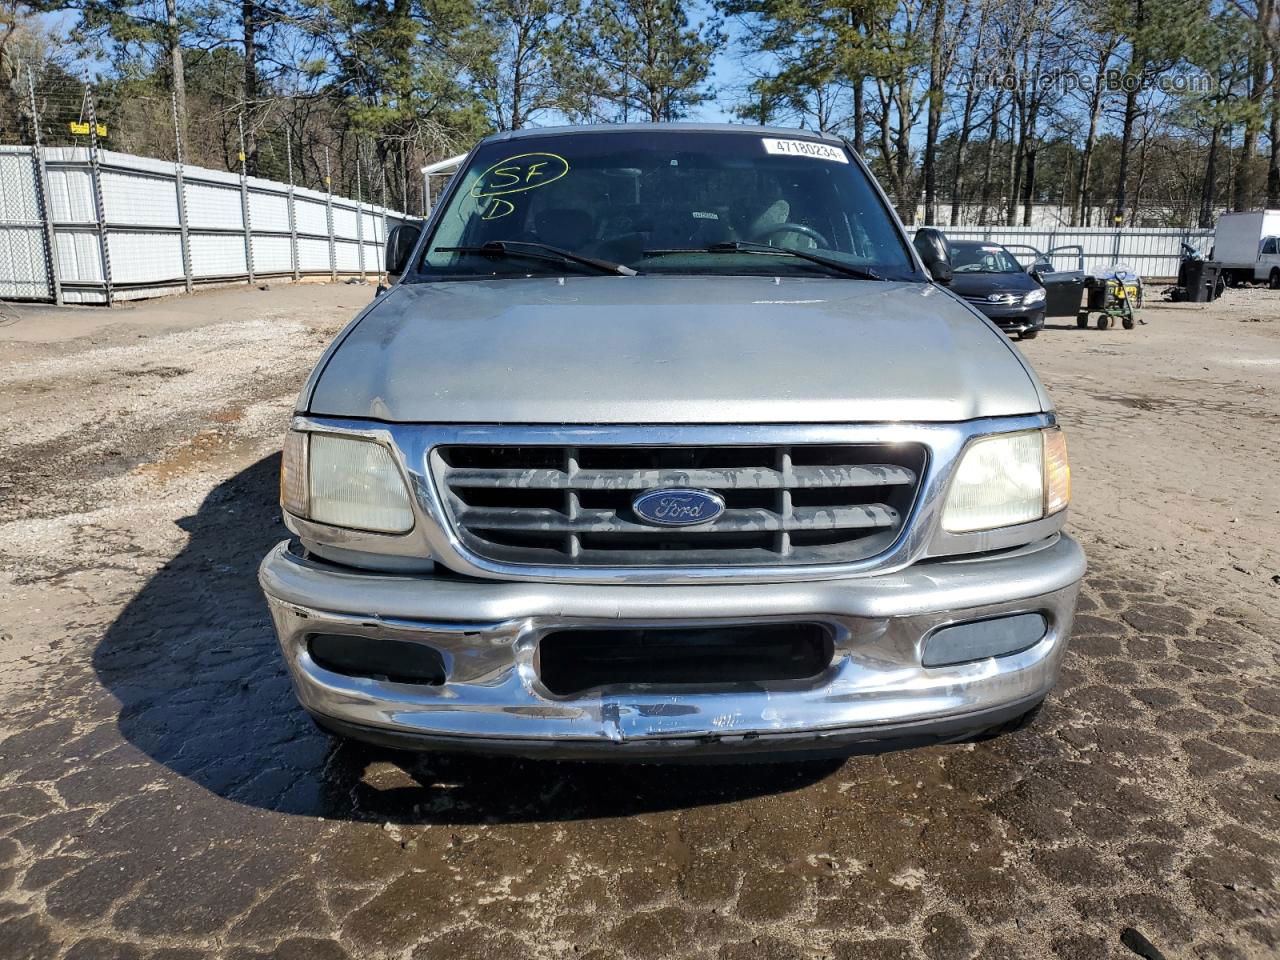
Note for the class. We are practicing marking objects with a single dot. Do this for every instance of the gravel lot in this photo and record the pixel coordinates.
(162, 796)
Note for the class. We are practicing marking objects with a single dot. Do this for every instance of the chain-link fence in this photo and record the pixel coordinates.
(83, 224)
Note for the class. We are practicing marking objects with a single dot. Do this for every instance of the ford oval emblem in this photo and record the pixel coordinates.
(678, 508)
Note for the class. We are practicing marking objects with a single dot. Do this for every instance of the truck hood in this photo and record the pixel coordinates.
(663, 349)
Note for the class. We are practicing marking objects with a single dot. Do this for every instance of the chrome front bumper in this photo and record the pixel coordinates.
(875, 689)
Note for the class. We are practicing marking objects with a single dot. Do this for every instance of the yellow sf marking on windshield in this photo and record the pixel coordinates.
(525, 171)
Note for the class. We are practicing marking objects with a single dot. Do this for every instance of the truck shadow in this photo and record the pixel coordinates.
(202, 689)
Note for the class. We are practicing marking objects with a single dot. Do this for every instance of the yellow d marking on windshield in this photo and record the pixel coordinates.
(525, 171)
(497, 208)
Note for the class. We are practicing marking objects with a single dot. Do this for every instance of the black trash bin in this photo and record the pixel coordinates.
(1200, 280)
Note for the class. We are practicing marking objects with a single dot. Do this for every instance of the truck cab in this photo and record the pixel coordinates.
(1248, 246)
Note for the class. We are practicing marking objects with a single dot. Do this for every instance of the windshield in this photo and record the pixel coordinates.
(655, 201)
(982, 258)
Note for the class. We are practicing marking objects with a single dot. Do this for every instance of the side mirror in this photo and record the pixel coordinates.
(1040, 266)
(931, 243)
(400, 243)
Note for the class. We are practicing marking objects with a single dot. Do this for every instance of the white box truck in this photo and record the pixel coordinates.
(1248, 246)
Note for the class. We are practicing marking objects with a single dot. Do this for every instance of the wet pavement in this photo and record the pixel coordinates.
(162, 796)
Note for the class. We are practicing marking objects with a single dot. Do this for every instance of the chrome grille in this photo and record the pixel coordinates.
(563, 505)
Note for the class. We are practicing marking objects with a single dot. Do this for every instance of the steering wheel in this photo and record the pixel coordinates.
(762, 236)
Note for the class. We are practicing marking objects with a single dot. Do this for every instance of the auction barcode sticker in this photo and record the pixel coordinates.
(804, 148)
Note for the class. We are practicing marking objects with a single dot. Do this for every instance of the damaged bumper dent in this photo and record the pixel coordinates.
(493, 694)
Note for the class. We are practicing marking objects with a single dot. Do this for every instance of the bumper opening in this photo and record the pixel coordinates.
(398, 661)
(980, 639)
(571, 661)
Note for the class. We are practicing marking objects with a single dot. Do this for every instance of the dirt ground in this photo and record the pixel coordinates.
(162, 796)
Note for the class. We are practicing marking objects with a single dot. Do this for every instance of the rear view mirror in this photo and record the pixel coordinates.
(931, 243)
(400, 244)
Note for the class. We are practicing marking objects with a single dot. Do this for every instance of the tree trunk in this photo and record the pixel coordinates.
(935, 113)
(962, 141)
(249, 13)
(902, 146)
(1273, 166)
(1207, 191)
(517, 79)
(1143, 152)
(1126, 145)
(1228, 139)
(1091, 140)
(1242, 196)
(1029, 204)
(988, 168)
(966, 119)
(1137, 66)
(173, 40)
(1013, 180)
(1028, 151)
(859, 117)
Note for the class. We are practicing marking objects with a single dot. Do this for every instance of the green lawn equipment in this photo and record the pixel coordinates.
(1116, 295)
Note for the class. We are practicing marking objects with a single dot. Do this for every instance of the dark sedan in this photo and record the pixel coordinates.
(987, 275)
(990, 277)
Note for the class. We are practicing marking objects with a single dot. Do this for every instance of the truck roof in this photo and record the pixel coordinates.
(608, 128)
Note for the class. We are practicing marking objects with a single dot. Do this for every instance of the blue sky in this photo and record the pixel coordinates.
(726, 75)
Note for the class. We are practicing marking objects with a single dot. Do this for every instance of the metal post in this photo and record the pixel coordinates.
(244, 204)
(293, 217)
(100, 211)
(382, 250)
(328, 212)
(42, 195)
(180, 186)
(359, 213)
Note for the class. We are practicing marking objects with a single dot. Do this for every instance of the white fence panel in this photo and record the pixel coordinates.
(135, 248)
(311, 218)
(313, 255)
(23, 243)
(149, 257)
(70, 196)
(271, 254)
(213, 207)
(269, 211)
(348, 256)
(218, 256)
(79, 257)
(344, 222)
(1152, 252)
(139, 200)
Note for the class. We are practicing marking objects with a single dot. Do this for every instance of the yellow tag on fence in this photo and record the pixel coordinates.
(82, 129)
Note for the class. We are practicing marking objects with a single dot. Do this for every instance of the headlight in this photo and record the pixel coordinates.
(1035, 296)
(1008, 479)
(343, 481)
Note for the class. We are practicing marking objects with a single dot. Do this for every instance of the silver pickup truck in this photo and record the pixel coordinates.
(666, 443)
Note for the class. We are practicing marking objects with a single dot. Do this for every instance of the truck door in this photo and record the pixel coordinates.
(1268, 265)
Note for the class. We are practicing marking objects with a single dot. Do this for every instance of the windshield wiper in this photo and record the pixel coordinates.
(539, 251)
(747, 246)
